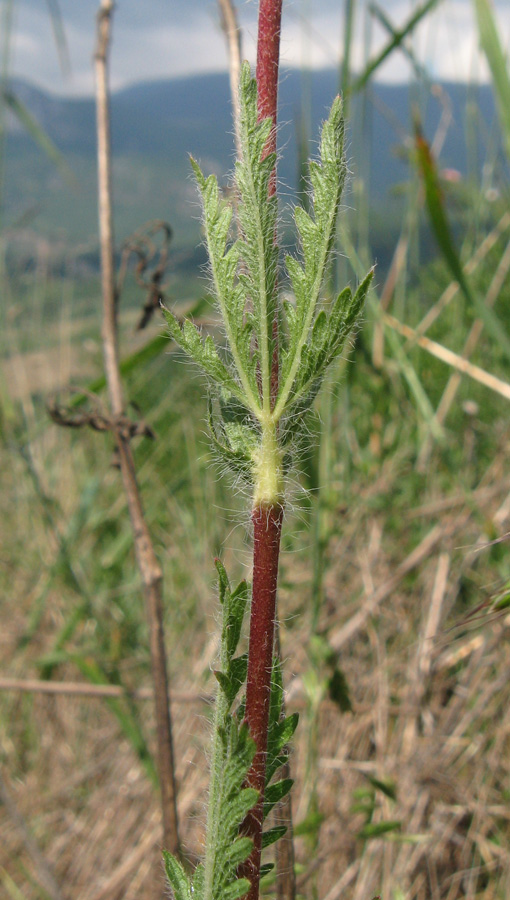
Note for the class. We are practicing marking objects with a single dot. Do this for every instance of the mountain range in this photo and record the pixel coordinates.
(155, 126)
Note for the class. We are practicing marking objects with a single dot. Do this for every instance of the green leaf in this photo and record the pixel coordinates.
(197, 883)
(237, 603)
(338, 690)
(179, 881)
(236, 889)
(272, 835)
(275, 792)
(257, 214)
(38, 134)
(234, 607)
(266, 869)
(151, 350)
(441, 227)
(237, 460)
(224, 262)
(317, 233)
(284, 731)
(238, 851)
(498, 64)
(325, 345)
(231, 680)
(502, 599)
(377, 829)
(233, 752)
(223, 582)
(396, 40)
(202, 352)
(386, 787)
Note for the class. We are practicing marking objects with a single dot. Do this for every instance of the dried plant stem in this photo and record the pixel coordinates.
(449, 357)
(99, 691)
(148, 564)
(232, 31)
(470, 344)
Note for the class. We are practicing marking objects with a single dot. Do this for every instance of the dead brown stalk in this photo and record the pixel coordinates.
(148, 564)
(232, 32)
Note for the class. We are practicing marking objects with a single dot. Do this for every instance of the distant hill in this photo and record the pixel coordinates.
(156, 124)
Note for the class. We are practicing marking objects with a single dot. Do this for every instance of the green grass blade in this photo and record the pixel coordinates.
(382, 18)
(57, 23)
(398, 36)
(28, 121)
(406, 368)
(345, 68)
(377, 829)
(441, 227)
(498, 65)
(151, 350)
(11, 887)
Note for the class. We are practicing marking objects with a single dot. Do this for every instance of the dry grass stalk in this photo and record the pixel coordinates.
(470, 344)
(419, 682)
(100, 691)
(450, 358)
(150, 569)
(454, 823)
(233, 35)
(344, 634)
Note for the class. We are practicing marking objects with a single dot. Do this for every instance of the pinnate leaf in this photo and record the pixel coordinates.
(179, 881)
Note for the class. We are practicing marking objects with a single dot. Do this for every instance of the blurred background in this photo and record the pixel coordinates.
(395, 570)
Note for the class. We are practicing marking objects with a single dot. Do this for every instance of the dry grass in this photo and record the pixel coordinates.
(430, 698)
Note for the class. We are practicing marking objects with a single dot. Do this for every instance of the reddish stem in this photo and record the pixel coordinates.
(268, 60)
(267, 526)
(266, 518)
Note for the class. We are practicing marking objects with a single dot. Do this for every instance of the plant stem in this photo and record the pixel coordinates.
(147, 561)
(267, 526)
(232, 31)
(267, 514)
(268, 59)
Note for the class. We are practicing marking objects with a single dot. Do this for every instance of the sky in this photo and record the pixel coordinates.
(155, 39)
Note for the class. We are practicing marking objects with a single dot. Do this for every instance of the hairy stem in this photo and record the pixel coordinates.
(268, 61)
(150, 570)
(267, 526)
(267, 513)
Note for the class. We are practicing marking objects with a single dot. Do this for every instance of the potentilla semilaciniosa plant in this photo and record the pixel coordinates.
(262, 385)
